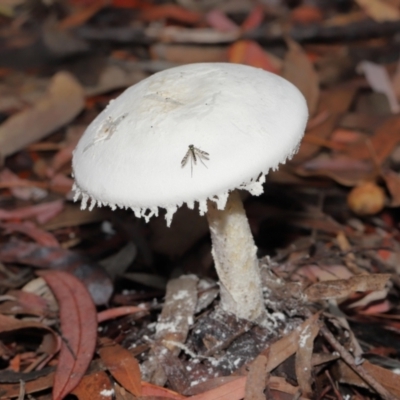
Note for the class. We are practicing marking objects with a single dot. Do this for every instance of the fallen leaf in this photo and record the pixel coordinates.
(306, 14)
(385, 139)
(298, 69)
(379, 80)
(114, 77)
(150, 390)
(80, 16)
(396, 81)
(209, 384)
(341, 288)
(176, 34)
(10, 324)
(286, 346)
(42, 212)
(347, 136)
(185, 54)
(61, 184)
(79, 329)
(256, 379)
(347, 171)
(95, 386)
(254, 19)
(218, 20)
(122, 365)
(303, 365)
(22, 188)
(112, 313)
(392, 180)
(170, 11)
(72, 215)
(10, 390)
(379, 10)
(233, 390)
(25, 303)
(31, 230)
(96, 280)
(337, 101)
(63, 101)
(315, 273)
(251, 53)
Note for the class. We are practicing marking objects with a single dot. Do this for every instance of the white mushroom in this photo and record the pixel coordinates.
(240, 121)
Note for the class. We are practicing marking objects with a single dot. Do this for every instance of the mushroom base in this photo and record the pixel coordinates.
(235, 259)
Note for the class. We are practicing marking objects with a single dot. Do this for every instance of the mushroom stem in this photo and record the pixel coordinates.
(235, 259)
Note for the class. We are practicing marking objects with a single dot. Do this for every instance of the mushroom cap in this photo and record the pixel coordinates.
(246, 119)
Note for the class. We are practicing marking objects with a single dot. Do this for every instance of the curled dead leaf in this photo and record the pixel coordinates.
(79, 329)
(340, 288)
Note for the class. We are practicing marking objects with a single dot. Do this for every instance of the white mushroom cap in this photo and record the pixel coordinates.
(247, 120)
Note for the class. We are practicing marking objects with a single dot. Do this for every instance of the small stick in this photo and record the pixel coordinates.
(359, 369)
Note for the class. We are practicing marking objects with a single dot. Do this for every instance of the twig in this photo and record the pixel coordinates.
(334, 388)
(359, 369)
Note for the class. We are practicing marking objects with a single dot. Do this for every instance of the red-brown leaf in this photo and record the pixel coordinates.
(151, 390)
(254, 19)
(123, 366)
(79, 329)
(233, 390)
(96, 386)
(251, 53)
(29, 229)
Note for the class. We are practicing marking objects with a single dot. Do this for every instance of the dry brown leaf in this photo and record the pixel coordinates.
(175, 34)
(10, 390)
(392, 180)
(95, 386)
(233, 390)
(382, 143)
(185, 54)
(379, 80)
(114, 77)
(345, 170)
(287, 346)
(298, 69)
(337, 101)
(63, 101)
(396, 81)
(303, 364)
(256, 379)
(335, 289)
(386, 378)
(379, 10)
(72, 215)
(122, 365)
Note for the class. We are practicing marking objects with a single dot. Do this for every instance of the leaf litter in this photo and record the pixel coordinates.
(330, 271)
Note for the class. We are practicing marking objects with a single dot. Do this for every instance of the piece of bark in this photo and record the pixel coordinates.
(304, 354)
(63, 101)
(172, 327)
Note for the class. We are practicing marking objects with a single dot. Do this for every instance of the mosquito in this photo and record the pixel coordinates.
(194, 153)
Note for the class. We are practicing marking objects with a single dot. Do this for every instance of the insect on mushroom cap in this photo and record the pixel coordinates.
(245, 119)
